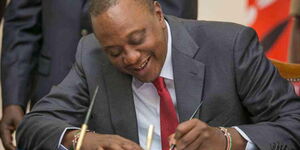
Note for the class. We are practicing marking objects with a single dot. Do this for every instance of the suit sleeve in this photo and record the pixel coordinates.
(65, 106)
(270, 100)
(22, 39)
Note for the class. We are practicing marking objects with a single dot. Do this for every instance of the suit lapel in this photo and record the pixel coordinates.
(121, 103)
(188, 72)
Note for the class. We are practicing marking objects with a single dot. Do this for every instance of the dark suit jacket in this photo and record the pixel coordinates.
(40, 40)
(220, 64)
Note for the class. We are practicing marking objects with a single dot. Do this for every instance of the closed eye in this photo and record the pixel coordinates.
(137, 37)
(113, 51)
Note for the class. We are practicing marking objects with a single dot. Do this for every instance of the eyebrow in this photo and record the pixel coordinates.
(106, 48)
(142, 31)
(129, 36)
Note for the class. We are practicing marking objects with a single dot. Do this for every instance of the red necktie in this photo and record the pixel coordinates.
(168, 117)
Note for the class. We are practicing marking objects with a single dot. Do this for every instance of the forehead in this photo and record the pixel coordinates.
(121, 19)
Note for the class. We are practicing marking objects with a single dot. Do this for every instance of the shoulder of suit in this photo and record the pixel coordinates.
(215, 30)
(89, 49)
(208, 28)
(90, 41)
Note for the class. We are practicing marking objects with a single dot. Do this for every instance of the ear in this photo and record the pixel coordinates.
(159, 13)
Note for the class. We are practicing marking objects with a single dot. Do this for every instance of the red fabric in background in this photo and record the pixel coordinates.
(279, 50)
(267, 18)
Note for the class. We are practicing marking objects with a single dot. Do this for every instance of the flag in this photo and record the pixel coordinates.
(271, 20)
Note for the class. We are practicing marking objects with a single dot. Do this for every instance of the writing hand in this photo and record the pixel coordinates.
(197, 135)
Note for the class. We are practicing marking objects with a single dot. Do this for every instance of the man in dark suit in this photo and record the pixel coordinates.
(40, 39)
(220, 65)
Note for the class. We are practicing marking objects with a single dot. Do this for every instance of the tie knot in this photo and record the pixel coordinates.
(159, 83)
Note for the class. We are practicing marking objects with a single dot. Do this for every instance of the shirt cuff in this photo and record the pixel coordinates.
(60, 146)
(250, 145)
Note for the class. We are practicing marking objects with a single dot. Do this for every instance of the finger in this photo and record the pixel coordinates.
(112, 145)
(185, 127)
(115, 146)
(128, 142)
(203, 139)
(131, 147)
(8, 145)
(172, 140)
(195, 136)
(6, 136)
(185, 141)
(196, 144)
(100, 148)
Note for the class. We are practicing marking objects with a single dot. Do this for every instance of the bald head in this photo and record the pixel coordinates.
(97, 7)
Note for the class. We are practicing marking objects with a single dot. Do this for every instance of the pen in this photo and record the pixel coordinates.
(85, 124)
(193, 115)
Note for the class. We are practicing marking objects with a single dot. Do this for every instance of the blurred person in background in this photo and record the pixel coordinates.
(39, 44)
(2, 6)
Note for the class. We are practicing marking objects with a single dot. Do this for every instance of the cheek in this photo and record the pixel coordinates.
(150, 46)
(117, 62)
(119, 65)
(158, 43)
(160, 49)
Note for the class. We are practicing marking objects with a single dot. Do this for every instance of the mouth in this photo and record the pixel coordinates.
(143, 65)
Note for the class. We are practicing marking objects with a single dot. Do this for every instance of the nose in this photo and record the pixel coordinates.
(131, 56)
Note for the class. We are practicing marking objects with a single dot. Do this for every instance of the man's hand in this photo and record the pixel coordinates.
(12, 116)
(94, 141)
(197, 135)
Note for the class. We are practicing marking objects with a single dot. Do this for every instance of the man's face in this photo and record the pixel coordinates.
(134, 39)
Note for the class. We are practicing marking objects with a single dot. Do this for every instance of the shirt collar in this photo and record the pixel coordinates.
(167, 69)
